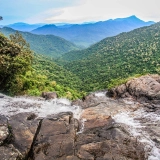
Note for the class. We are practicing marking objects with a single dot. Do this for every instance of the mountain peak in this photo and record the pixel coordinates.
(133, 16)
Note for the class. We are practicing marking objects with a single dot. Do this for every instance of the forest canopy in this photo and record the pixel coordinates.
(25, 72)
(15, 60)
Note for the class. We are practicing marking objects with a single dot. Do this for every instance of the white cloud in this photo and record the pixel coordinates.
(95, 10)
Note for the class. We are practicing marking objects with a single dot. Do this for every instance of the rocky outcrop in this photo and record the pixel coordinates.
(49, 95)
(23, 131)
(106, 128)
(102, 138)
(56, 138)
(145, 87)
(7, 150)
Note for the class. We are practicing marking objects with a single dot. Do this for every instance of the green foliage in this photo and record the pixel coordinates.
(117, 82)
(21, 72)
(14, 62)
(104, 65)
(48, 76)
(119, 57)
(48, 45)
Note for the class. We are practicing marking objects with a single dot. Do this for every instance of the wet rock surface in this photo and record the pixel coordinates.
(105, 128)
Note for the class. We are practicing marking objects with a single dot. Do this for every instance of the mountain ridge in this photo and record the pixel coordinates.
(116, 58)
(25, 27)
(88, 34)
(49, 45)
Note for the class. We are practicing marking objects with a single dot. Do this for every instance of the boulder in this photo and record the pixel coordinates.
(145, 87)
(4, 131)
(24, 130)
(102, 138)
(9, 153)
(7, 150)
(56, 138)
(49, 95)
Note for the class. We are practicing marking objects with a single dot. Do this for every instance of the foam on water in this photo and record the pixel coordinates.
(82, 126)
(135, 129)
(100, 94)
(42, 108)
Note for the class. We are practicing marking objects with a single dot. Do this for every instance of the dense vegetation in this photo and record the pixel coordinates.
(88, 34)
(15, 60)
(48, 76)
(21, 72)
(116, 58)
(104, 65)
(48, 45)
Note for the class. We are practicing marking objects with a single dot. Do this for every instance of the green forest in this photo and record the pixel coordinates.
(116, 58)
(24, 72)
(103, 65)
(48, 45)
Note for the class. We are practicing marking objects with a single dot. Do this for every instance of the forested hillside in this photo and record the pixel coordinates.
(22, 72)
(115, 58)
(48, 76)
(88, 34)
(101, 66)
(48, 45)
(15, 61)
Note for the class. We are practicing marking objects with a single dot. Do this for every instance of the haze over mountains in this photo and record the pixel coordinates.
(88, 34)
(20, 26)
(43, 39)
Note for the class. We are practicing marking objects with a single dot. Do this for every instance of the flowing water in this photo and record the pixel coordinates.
(11, 106)
(137, 129)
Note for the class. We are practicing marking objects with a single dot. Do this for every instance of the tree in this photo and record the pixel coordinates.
(17, 38)
(1, 18)
(15, 60)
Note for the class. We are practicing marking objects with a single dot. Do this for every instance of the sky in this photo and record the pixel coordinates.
(76, 11)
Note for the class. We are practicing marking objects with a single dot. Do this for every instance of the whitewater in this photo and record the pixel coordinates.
(43, 108)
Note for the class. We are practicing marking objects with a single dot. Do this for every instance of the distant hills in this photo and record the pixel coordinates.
(48, 45)
(116, 58)
(88, 34)
(20, 26)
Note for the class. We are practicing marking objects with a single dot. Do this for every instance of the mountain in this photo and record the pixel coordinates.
(20, 26)
(49, 45)
(87, 34)
(115, 58)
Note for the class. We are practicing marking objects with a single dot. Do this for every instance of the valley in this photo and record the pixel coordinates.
(80, 91)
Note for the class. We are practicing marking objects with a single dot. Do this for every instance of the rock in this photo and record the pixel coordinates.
(103, 139)
(89, 101)
(9, 153)
(23, 131)
(146, 87)
(7, 150)
(56, 138)
(4, 131)
(49, 95)
(126, 127)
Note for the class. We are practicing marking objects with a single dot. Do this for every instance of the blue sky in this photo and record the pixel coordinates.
(76, 11)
